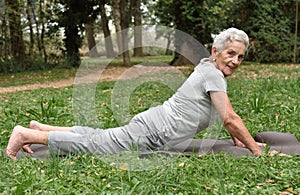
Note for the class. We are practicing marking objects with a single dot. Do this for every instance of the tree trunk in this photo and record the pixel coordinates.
(137, 14)
(183, 57)
(168, 51)
(296, 32)
(125, 54)
(16, 34)
(73, 40)
(89, 29)
(125, 25)
(104, 22)
(42, 43)
(188, 49)
(117, 22)
(190, 52)
(36, 28)
(72, 45)
(29, 18)
(5, 50)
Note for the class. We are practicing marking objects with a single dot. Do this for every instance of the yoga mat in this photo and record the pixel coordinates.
(282, 142)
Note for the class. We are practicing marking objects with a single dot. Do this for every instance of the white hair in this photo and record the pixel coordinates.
(230, 35)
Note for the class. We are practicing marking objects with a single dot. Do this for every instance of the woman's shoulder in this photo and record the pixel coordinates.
(208, 68)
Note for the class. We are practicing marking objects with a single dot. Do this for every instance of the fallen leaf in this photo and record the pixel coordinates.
(181, 164)
(124, 167)
(207, 188)
(269, 180)
(290, 190)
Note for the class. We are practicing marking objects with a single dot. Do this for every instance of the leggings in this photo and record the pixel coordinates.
(134, 136)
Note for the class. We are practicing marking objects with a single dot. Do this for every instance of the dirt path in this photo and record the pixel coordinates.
(109, 74)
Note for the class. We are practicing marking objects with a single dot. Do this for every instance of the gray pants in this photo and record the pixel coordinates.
(134, 136)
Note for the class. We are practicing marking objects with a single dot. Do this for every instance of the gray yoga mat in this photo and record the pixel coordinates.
(283, 142)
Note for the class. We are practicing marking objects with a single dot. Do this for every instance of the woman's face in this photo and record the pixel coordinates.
(230, 58)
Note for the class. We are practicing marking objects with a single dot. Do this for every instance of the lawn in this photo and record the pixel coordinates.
(266, 97)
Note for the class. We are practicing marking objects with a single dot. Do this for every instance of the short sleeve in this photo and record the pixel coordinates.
(214, 80)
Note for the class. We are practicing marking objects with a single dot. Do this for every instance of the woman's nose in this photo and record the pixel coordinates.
(236, 60)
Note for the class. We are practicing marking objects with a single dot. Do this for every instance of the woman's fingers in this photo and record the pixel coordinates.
(239, 144)
(261, 144)
(27, 148)
(274, 152)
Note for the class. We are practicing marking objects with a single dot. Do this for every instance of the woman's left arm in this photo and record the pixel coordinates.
(233, 123)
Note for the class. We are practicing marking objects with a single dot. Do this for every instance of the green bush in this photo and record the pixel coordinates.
(10, 65)
(271, 29)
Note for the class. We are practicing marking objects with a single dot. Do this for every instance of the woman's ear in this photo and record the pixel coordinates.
(214, 52)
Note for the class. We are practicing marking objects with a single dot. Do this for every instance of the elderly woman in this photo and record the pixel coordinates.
(191, 109)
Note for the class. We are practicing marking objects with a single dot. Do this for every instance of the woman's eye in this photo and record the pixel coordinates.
(231, 53)
(241, 58)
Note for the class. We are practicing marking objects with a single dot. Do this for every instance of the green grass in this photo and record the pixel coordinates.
(118, 61)
(265, 96)
(36, 77)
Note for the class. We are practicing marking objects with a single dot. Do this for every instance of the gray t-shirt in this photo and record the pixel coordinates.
(190, 109)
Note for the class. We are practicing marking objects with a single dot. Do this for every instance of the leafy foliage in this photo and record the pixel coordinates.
(270, 24)
(72, 18)
(271, 32)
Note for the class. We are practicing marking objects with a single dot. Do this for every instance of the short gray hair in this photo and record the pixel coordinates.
(229, 35)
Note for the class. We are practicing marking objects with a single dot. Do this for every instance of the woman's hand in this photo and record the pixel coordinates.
(238, 143)
(274, 152)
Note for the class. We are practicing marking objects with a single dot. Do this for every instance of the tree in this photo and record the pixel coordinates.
(4, 50)
(137, 15)
(105, 27)
(71, 24)
(117, 21)
(72, 18)
(89, 30)
(269, 23)
(41, 40)
(37, 21)
(187, 17)
(296, 31)
(15, 29)
(29, 18)
(31, 28)
(156, 15)
(270, 26)
(125, 12)
(122, 15)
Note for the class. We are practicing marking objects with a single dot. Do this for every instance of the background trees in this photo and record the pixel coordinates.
(38, 34)
(269, 23)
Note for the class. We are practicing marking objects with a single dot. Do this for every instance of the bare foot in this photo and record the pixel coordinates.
(44, 127)
(15, 142)
(35, 125)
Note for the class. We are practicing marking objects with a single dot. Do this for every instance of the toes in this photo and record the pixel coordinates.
(34, 125)
(15, 142)
(10, 154)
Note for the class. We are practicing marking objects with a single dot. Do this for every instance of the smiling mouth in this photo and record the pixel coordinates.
(232, 68)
